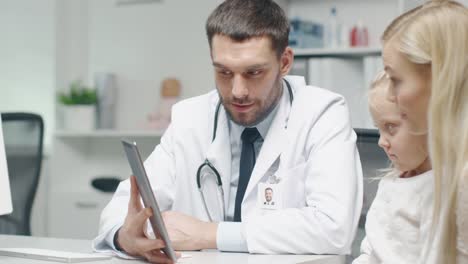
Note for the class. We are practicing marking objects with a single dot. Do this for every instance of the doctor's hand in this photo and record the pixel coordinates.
(131, 236)
(189, 233)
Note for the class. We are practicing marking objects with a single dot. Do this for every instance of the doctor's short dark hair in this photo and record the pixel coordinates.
(244, 19)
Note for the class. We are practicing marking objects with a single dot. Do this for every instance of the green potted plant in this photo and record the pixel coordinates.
(79, 107)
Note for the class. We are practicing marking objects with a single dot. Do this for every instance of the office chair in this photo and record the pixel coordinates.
(23, 135)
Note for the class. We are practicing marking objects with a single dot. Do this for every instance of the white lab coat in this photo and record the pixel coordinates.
(318, 163)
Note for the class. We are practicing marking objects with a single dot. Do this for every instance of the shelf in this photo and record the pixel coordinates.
(339, 52)
(108, 133)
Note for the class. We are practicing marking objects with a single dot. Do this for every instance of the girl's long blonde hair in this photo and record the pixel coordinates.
(436, 35)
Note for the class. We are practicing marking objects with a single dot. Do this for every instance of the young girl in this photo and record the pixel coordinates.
(398, 221)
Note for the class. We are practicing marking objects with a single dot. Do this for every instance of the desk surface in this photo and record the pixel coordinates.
(208, 257)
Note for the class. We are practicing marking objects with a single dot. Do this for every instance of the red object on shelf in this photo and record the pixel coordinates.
(353, 37)
(359, 36)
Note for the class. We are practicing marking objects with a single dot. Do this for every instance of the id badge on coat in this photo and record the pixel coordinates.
(269, 196)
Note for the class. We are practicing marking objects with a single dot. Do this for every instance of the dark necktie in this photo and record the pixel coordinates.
(247, 163)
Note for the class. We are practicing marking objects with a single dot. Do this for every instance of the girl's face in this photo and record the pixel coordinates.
(410, 87)
(407, 151)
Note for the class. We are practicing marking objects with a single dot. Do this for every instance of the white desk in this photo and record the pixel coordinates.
(208, 257)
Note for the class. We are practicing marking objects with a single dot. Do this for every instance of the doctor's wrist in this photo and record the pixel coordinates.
(208, 235)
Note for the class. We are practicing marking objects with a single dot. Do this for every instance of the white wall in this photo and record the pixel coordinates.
(71, 42)
(409, 4)
(27, 77)
(143, 44)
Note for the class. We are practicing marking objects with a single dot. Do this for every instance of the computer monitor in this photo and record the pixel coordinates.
(6, 206)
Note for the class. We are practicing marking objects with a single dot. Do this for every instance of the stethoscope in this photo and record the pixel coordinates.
(207, 164)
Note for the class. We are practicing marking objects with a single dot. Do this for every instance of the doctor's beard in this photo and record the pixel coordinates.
(261, 114)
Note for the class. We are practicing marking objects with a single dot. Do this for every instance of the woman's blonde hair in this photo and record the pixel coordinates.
(436, 35)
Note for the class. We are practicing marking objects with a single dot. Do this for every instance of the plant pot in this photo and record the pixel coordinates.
(79, 117)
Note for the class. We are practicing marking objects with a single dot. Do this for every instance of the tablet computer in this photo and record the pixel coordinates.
(146, 192)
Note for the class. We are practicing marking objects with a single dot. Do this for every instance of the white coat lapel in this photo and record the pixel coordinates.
(219, 152)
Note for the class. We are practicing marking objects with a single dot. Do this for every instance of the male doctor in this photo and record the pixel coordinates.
(258, 129)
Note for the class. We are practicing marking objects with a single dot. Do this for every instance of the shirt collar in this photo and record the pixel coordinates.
(263, 126)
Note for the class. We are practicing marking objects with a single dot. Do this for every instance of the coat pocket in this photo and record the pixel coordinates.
(293, 181)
